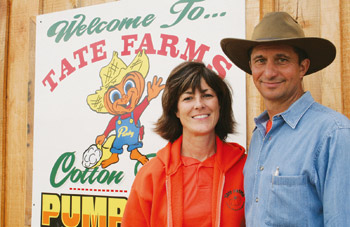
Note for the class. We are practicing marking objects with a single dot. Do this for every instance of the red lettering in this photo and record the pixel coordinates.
(66, 69)
(147, 43)
(49, 79)
(192, 54)
(96, 49)
(218, 67)
(128, 43)
(81, 56)
(173, 41)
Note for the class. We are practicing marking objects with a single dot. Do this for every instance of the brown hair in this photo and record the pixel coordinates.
(188, 75)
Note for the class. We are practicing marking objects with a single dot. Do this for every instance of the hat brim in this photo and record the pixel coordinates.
(321, 52)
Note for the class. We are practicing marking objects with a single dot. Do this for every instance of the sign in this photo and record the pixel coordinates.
(100, 72)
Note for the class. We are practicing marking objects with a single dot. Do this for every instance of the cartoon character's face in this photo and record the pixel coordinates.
(123, 97)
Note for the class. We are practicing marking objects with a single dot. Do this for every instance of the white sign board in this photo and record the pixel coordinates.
(87, 56)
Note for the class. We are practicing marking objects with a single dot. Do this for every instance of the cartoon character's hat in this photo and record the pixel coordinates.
(280, 28)
(113, 74)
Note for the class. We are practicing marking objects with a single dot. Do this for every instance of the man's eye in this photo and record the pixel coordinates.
(282, 60)
(260, 60)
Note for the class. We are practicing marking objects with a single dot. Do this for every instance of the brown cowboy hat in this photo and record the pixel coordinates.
(280, 28)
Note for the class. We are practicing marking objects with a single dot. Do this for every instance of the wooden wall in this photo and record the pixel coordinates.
(331, 86)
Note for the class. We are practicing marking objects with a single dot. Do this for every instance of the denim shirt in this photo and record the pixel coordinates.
(298, 174)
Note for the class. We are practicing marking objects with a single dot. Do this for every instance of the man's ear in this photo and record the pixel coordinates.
(304, 67)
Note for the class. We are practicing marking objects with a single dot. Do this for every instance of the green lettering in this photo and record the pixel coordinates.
(183, 12)
(116, 176)
(65, 162)
(67, 32)
(64, 166)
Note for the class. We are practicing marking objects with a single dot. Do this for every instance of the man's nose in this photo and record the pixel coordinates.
(270, 69)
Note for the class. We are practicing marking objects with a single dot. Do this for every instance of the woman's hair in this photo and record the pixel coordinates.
(188, 75)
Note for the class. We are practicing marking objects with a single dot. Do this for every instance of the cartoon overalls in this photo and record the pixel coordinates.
(127, 133)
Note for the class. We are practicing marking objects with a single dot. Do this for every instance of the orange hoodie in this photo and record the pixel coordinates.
(156, 197)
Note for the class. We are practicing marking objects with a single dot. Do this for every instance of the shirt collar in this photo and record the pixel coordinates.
(293, 114)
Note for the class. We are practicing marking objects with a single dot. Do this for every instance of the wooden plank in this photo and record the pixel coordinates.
(50, 6)
(82, 3)
(17, 84)
(344, 54)
(331, 75)
(254, 100)
(30, 120)
(3, 89)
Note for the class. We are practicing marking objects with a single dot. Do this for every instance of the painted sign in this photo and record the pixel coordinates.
(100, 72)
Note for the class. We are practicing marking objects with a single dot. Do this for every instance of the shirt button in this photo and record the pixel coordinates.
(261, 168)
(257, 199)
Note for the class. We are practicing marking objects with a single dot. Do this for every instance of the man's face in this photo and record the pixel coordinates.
(277, 73)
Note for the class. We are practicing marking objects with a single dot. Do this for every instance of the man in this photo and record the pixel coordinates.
(297, 171)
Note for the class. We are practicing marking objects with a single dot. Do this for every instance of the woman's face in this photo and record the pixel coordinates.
(198, 112)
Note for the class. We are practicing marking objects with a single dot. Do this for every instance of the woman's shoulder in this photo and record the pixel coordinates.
(153, 166)
(152, 171)
(236, 148)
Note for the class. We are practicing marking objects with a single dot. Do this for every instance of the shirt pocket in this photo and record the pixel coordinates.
(288, 199)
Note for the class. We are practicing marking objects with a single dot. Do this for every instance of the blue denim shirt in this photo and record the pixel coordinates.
(298, 174)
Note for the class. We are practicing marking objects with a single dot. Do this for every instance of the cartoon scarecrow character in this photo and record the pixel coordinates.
(121, 90)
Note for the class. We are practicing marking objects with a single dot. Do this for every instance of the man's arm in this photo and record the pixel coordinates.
(334, 175)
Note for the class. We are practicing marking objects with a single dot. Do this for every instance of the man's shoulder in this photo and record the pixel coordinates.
(325, 115)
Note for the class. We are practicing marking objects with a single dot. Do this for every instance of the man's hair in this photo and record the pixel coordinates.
(188, 75)
(301, 54)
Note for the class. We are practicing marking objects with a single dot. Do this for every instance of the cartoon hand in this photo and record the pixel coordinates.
(155, 88)
(100, 139)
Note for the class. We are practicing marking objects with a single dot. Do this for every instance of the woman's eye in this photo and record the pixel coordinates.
(114, 96)
(129, 84)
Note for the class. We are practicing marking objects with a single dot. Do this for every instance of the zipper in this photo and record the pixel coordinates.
(218, 204)
(168, 195)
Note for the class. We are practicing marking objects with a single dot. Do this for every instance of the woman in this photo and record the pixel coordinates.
(196, 179)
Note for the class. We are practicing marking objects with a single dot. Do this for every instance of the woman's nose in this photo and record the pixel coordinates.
(198, 103)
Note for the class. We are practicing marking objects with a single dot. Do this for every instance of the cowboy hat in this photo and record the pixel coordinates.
(280, 28)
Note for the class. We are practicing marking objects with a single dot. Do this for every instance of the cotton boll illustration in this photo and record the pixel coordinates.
(95, 154)
(91, 156)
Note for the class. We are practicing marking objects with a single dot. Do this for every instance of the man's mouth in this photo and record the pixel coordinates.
(272, 84)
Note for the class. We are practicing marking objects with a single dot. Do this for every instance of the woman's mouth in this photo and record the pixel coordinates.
(201, 116)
